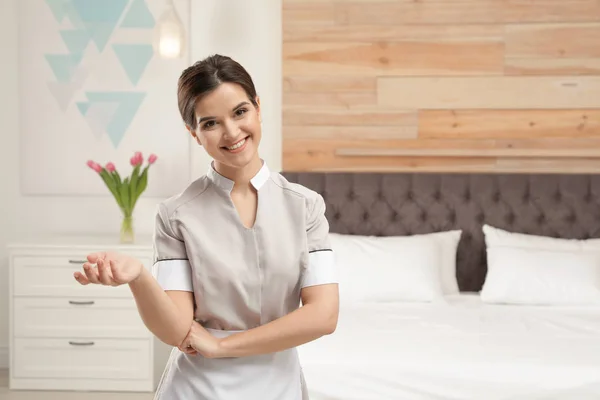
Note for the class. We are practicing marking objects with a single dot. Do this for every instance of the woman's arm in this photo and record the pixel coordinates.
(317, 317)
(167, 314)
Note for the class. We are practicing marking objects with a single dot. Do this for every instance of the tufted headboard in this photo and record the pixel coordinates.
(385, 204)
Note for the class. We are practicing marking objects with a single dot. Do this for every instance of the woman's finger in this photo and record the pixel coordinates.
(186, 347)
(115, 273)
(79, 277)
(94, 257)
(104, 274)
(188, 350)
(91, 273)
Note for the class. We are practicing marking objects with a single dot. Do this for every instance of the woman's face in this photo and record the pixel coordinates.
(228, 126)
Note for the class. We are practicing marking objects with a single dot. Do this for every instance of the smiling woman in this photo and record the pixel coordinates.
(236, 253)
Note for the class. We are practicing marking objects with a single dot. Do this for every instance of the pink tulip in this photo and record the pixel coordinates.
(95, 166)
(138, 158)
(110, 167)
(152, 159)
(133, 161)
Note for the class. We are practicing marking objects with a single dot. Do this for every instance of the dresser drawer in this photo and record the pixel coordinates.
(77, 317)
(79, 358)
(53, 276)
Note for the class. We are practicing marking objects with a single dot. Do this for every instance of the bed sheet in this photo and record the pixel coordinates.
(458, 349)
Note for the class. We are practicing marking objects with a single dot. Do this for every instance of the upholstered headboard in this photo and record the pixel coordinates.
(385, 204)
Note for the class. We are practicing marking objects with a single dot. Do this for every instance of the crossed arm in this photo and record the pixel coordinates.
(169, 315)
(317, 317)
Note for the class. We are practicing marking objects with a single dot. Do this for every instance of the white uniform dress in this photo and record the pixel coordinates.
(241, 278)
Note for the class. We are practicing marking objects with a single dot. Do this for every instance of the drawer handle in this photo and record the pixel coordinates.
(81, 343)
(82, 303)
(77, 261)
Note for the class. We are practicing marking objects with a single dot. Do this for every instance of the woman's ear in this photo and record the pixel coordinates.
(193, 133)
(190, 130)
(258, 108)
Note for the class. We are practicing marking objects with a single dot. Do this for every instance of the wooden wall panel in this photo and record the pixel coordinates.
(553, 41)
(507, 92)
(430, 85)
(348, 117)
(466, 12)
(469, 57)
(552, 66)
(509, 124)
(389, 33)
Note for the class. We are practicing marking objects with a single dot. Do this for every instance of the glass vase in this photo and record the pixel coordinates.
(127, 232)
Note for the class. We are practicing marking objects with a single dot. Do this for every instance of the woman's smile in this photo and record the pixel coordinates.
(239, 146)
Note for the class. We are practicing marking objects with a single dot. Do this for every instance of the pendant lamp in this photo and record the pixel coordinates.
(169, 39)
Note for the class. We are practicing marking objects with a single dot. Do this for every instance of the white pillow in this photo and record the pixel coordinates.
(393, 268)
(499, 237)
(540, 270)
(448, 240)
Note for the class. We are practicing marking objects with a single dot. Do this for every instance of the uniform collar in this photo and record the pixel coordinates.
(261, 177)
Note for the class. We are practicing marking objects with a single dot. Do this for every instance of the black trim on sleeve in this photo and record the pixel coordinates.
(314, 251)
(171, 259)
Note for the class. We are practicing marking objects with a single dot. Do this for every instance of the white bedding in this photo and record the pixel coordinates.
(462, 349)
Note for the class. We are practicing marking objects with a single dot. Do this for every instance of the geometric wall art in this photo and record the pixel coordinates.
(94, 22)
(92, 87)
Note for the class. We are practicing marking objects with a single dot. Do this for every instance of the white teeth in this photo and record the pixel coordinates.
(237, 145)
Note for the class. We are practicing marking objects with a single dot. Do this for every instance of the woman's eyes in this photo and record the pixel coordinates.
(208, 124)
(211, 123)
(241, 111)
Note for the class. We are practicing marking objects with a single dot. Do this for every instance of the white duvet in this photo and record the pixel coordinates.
(462, 349)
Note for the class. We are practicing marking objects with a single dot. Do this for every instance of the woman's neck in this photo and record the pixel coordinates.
(240, 176)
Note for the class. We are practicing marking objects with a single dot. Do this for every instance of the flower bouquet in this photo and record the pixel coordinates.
(126, 191)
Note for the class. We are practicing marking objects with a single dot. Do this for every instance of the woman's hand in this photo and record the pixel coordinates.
(200, 341)
(112, 269)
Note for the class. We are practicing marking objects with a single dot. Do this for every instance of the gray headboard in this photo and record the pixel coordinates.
(385, 204)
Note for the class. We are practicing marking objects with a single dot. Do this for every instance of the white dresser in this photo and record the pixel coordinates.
(65, 336)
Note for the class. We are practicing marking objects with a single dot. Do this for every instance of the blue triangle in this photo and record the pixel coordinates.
(134, 58)
(76, 40)
(129, 104)
(83, 107)
(100, 33)
(138, 16)
(59, 8)
(100, 10)
(64, 65)
(100, 17)
(73, 16)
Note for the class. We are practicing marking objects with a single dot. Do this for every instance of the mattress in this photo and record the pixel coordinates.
(458, 349)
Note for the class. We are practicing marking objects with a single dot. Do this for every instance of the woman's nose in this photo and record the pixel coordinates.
(230, 129)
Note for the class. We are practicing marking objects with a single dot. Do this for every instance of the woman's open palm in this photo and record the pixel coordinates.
(110, 269)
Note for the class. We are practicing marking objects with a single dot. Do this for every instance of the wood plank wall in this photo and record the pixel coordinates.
(441, 85)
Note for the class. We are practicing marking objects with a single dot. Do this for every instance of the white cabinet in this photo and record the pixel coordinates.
(65, 336)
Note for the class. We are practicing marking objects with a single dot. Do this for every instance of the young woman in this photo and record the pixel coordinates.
(236, 253)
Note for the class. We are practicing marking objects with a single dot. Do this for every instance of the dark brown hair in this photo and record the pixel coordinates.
(205, 76)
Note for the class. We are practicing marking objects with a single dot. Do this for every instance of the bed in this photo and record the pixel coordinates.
(475, 342)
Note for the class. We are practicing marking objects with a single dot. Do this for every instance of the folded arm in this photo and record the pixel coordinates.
(317, 317)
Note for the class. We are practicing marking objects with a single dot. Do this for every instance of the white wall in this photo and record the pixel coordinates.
(250, 32)
(9, 127)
